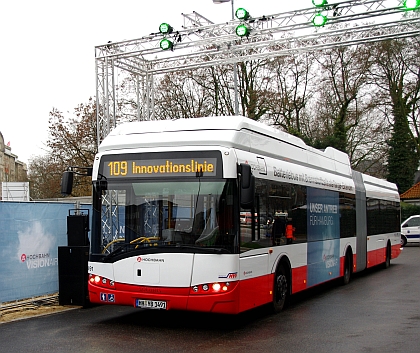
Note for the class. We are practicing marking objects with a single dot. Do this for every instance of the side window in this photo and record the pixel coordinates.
(414, 222)
(279, 216)
(347, 215)
(382, 216)
(287, 203)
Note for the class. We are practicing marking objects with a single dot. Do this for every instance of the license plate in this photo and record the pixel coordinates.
(150, 304)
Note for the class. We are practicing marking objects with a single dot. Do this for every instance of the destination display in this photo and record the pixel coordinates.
(136, 168)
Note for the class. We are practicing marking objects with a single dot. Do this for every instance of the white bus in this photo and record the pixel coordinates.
(166, 230)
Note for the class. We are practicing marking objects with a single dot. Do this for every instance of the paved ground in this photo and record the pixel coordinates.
(30, 308)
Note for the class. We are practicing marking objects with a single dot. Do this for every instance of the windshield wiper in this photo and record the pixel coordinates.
(117, 251)
(204, 249)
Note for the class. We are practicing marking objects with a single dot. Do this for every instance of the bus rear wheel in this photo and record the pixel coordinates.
(281, 288)
(347, 268)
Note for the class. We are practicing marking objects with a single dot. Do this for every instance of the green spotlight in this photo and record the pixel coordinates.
(411, 4)
(166, 44)
(242, 14)
(319, 3)
(242, 30)
(319, 20)
(164, 28)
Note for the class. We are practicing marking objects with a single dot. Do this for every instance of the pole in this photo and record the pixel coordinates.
(235, 72)
(235, 66)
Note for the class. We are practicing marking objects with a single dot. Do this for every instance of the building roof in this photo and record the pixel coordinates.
(412, 193)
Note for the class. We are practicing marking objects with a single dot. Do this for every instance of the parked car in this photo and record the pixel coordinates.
(410, 230)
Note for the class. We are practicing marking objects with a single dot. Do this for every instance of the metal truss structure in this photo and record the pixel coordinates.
(201, 43)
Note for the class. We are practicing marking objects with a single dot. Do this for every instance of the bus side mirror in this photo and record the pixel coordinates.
(247, 186)
(67, 182)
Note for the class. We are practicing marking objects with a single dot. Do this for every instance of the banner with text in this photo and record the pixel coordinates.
(30, 234)
(323, 221)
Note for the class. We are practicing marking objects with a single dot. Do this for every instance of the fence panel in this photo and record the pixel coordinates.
(30, 234)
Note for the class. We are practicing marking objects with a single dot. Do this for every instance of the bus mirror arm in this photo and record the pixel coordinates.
(67, 178)
(247, 186)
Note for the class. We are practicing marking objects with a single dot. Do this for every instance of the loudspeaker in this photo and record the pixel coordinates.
(77, 230)
(73, 275)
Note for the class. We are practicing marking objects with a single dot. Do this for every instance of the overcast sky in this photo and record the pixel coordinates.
(47, 52)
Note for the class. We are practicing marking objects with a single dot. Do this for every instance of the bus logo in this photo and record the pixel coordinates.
(149, 259)
(230, 275)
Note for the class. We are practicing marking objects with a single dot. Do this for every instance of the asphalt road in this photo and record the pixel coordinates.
(379, 311)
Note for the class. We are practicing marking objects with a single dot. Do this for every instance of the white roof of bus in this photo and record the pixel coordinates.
(227, 131)
(207, 123)
(376, 187)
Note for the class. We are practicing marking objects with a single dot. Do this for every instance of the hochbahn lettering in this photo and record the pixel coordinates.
(38, 260)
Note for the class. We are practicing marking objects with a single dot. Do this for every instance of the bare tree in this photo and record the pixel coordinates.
(71, 142)
(180, 96)
(290, 93)
(44, 177)
(344, 75)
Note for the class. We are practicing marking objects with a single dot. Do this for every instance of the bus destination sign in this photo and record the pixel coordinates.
(158, 167)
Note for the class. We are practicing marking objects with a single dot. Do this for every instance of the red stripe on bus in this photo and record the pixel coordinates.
(299, 279)
(176, 298)
(395, 251)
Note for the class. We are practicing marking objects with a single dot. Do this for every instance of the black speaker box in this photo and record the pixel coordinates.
(77, 230)
(73, 275)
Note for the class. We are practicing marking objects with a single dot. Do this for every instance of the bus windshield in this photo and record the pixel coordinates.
(193, 214)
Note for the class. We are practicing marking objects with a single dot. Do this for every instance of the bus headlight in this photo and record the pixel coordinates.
(101, 281)
(213, 288)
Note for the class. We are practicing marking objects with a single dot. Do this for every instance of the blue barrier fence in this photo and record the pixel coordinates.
(30, 234)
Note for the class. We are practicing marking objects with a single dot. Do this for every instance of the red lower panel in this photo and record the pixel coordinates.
(376, 257)
(354, 263)
(226, 303)
(342, 259)
(124, 294)
(299, 279)
(255, 292)
(176, 298)
(395, 251)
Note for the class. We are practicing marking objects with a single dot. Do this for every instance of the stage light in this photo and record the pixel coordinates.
(242, 30)
(319, 3)
(165, 28)
(411, 4)
(166, 44)
(242, 14)
(319, 20)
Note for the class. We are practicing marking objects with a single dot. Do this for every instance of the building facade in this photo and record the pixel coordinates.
(11, 169)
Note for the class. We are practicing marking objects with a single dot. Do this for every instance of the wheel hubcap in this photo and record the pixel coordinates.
(281, 287)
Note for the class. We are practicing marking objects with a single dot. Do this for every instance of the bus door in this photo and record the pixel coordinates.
(253, 261)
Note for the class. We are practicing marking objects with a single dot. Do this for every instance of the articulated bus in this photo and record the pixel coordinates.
(167, 203)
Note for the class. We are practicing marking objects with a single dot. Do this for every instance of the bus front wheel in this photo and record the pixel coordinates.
(281, 288)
